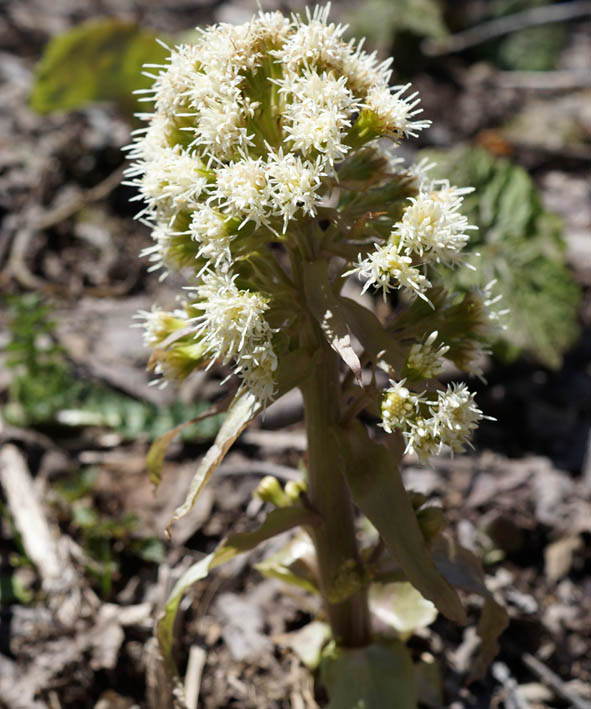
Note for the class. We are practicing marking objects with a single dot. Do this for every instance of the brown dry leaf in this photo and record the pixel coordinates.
(558, 557)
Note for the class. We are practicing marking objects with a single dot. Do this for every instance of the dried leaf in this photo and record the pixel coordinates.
(463, 569)
(493, 621)
(241, 411)
(155, 457)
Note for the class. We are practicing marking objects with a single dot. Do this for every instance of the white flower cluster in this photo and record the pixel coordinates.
(430, 424)
(431, 230)
(249, 126)
(232, 327)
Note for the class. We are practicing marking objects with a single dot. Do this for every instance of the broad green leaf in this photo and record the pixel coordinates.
(326, 308)
(401, 606)
(521, 246)
(529, 49)
(377, 489)
(429, 684)
(240, 413)
(463, 569)
(277, 521)
(100, 60)
(379, 676)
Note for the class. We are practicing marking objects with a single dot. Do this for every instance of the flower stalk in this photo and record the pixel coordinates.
(341, 575)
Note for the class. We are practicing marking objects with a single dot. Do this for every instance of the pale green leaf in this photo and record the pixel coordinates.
(100, 60)
(401, 607)
(293, 564)
(307, 642)
(377, 489)
(379, 676)
(381, 20)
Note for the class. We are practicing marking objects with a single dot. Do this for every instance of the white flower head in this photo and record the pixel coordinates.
(292, 185)
(433, 228)
(210, 230)
(232, 323)
(456, 416)
(241, 190)
(388, 269)
(422, 437)
(399, 406)
(425, 359)
(394, 113)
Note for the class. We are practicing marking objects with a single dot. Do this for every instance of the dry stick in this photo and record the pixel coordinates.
(16, 265)
(543, 80)
(29, 517)
(505, 25)
(553, 681)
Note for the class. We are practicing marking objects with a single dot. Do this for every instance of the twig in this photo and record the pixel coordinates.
(512, 700)
(553, 681)
(543, 80)
(29, 517)
(505, 25)
(94, 194)
(16, 264)
(195, 665)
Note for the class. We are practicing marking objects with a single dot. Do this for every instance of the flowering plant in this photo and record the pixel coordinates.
(262, 173)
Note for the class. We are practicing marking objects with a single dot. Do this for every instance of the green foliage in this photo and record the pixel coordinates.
(374, 677)
(381, 20)
(104, 538)
(45, 390)
(100, 60)
(520, 245)
(531, 49)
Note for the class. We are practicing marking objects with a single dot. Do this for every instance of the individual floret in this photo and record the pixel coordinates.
(425, 359)
(399, 406)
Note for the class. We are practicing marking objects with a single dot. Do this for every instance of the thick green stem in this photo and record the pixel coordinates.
(340, 569)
